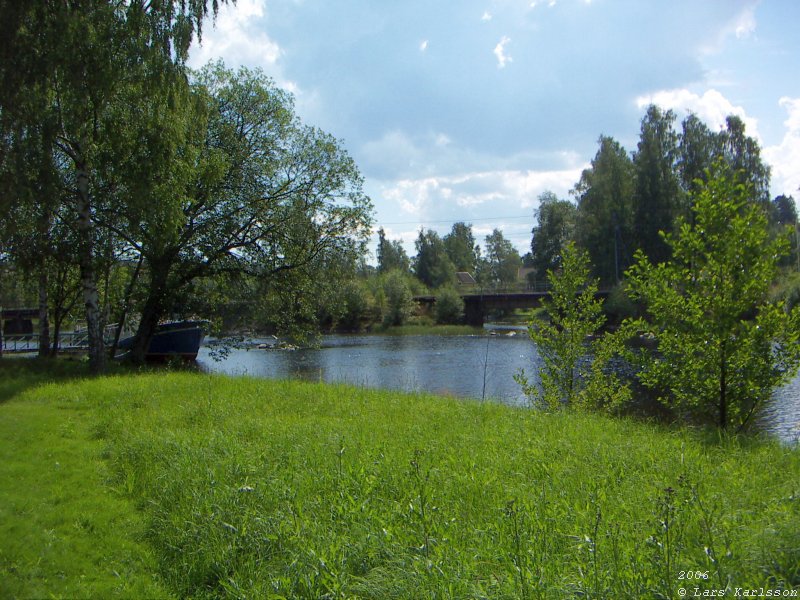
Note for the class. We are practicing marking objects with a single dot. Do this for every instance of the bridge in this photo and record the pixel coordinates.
(18, 335)
(477, 306)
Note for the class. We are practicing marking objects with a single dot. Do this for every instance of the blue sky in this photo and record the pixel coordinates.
(467, 110)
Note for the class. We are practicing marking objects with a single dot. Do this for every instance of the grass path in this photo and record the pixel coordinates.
(65, 532)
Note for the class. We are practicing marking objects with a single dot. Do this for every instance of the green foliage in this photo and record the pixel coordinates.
(357, 305)
(657, 195)
(722, 344)
(398, 298)
(391, 254)
(742, 154)
(449, 307)
(502, 260)
(555, 227)
(604, 219)
(432, 266)
(461, 248)
(268, 198)
(619, 306)
(787, 290)
(212, 487)
(573, 369)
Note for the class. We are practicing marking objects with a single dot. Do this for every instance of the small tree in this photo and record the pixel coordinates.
(432, 266)
(449, 307)
(722, 344)
(399, 299)
(573, 367)
(391, 254)
(503, 260)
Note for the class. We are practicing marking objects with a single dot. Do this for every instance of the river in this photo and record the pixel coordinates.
(480, 367)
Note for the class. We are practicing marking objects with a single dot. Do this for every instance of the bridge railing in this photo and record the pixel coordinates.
(505, 289)
(67, 340)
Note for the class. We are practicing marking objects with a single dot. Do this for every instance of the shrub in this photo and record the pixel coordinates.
(723, 345)
(449, 307)
(399, 302)
(356, 299)
(573, 371)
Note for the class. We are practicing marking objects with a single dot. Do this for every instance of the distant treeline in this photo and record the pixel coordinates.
(624, 201)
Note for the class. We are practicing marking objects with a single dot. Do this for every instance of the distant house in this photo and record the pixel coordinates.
(464, 278)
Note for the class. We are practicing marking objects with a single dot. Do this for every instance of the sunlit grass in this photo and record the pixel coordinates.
(64, 532)
(252, 488)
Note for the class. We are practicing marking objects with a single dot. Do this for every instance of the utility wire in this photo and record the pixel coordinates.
(423, 221)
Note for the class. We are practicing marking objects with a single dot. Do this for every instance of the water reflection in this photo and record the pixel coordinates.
(462, 366)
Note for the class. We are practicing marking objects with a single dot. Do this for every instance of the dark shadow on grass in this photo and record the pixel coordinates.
(18, 374)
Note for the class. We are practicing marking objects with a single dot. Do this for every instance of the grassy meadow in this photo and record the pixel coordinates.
(189, 485)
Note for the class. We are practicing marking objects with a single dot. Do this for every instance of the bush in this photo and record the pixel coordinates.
(449, 307)
(356, 299)
(399, 302)
(723, 344)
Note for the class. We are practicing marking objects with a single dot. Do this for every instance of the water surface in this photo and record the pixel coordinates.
(481, 367)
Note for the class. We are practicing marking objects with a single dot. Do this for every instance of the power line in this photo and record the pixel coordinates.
(425, 221)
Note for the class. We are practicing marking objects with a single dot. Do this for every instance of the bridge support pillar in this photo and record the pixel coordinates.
(474, 312)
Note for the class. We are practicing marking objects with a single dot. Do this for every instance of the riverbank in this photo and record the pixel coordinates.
(181, 484)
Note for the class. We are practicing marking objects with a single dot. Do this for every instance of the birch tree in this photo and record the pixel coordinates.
(76, 60)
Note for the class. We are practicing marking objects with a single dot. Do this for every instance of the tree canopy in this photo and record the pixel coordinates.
(502, 259)
(66, 66)
(555, 227)
(187, 175)
(391, 254)
(461, 248)
(432, 265)
(723, 345)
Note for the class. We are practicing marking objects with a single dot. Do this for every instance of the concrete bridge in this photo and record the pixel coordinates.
(477, 306)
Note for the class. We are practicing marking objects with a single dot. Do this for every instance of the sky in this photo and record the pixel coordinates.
(468, 110)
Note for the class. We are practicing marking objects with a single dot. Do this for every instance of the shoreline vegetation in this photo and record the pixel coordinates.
(154, 484)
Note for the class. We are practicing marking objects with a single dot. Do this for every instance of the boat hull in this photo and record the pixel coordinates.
(177, 339)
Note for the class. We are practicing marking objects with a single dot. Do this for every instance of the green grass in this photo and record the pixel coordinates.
(205, 486)
(64, 531)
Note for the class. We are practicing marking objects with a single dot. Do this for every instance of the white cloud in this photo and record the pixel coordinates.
(235, 37)
(500, 52)
(503, 199)
(487, 16)
(784, 158)
(494, 192)
(712, 107)
(745, 23)
(742, 26)
(423, 46)
(442, 140)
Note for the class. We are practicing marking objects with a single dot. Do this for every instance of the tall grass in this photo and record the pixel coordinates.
(64, 532)
(266, 489)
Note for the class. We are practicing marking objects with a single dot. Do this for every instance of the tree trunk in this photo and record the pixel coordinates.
(44, 322)
(56, 332)
(151, 313)
(723, 389)
(91, 297)
(123, 313)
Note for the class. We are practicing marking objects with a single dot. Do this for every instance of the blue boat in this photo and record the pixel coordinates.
(175, 339)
